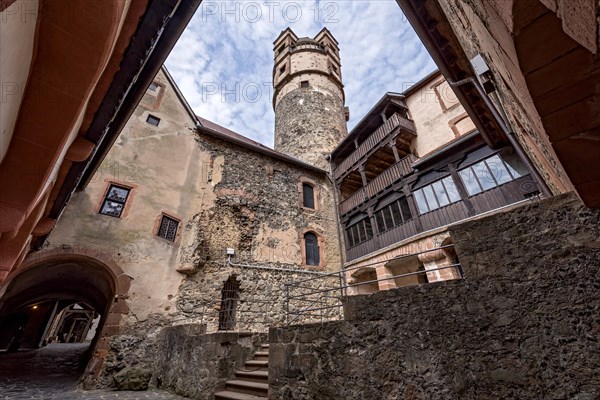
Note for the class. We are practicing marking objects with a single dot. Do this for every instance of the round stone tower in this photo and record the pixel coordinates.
(310, 117)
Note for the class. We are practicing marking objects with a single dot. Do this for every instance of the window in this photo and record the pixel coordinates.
(152, 120)
(491, 172)
(281, 70)
(153, 87)
(308, 196)
(394, 214)
(168, 228)
(281, 49)
(115, 200)
(304, 84)
(311, 247)
(359, 232)
(436, 195)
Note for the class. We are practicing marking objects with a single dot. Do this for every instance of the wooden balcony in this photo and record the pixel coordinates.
(375, 140)
(381, 182)
(489, 200)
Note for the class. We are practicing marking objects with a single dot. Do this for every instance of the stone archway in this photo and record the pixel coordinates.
(49, 279)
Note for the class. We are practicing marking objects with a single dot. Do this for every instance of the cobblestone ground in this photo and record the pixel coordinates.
(52, 373)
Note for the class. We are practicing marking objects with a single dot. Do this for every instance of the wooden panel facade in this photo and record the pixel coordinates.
(374, 142)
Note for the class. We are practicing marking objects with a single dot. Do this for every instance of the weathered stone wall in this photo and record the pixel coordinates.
(522, 324)
(225, 196)
(196, 365)
(309, 124)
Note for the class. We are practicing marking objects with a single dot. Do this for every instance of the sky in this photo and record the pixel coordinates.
(223, 61)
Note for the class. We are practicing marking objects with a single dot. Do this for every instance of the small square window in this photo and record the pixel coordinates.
(281, 70)
(153, 87)
(168, 228)
(115, 200)
(304, 84)
(152, 120)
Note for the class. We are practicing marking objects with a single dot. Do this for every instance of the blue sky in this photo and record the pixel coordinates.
(223, 61)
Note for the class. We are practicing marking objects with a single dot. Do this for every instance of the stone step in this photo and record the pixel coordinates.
(261, 355)
(248, 387)
(228, 395)
(253, 376)
(257, 365)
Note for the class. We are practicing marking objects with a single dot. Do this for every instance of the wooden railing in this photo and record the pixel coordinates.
(381, 182)
(375, 139)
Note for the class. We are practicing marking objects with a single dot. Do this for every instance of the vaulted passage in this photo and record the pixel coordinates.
(56, 305)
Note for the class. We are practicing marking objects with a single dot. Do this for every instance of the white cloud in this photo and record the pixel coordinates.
(226, 53)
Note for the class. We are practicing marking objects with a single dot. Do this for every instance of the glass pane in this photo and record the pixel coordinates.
(112, 208)
(368, 228)
(361, 232)
(420, 200)
(404, 207)
(516, 167)
(498, 169)
(395, 208)
(428, 191)
(350, 239)
(380, 224)
(483, 175)
(440, 193)
(116, 193)
(451, 189)
(355, 237)
(309, 197)
(387, 218)
(469, 181)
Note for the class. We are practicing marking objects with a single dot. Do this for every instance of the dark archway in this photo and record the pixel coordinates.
(50, 282)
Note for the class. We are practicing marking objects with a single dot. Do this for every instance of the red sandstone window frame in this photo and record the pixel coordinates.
(304, 180)
(158, 223)
(126, 204)
(321, 245)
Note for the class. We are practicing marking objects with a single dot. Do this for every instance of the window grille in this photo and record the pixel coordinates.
(168, 228)
(114, 201)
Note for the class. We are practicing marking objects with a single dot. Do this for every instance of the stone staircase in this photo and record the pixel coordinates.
(251, 383)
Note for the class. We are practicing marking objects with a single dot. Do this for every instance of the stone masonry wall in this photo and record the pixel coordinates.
(523, 324)
(309, 124)
(196, 365)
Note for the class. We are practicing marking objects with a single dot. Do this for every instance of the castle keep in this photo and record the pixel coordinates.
(310, 118)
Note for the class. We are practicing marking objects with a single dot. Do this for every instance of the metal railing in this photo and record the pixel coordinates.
(321, 297)
(314, 299)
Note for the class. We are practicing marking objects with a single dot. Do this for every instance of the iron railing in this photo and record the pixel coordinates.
(316, 297)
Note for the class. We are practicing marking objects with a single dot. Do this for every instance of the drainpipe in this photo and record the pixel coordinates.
(507, 131)
(337, 224)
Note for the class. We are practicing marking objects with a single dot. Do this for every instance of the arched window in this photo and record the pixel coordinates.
(311, 247)
(308, 196)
